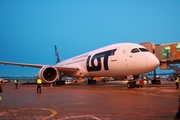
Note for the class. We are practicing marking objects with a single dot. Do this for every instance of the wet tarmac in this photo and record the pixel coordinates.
(102, 101)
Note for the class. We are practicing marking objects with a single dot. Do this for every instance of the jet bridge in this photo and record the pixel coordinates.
(168, 54)
(175, 68)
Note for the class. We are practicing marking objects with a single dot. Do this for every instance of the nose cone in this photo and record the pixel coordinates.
(152, 62)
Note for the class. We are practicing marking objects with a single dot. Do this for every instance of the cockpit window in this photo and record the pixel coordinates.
(135, 50)
(143, 49)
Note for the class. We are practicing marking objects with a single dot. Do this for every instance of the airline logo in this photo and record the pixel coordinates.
(98, 56)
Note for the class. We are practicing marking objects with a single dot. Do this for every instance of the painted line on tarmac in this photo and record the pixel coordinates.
(53, 112)
(52, 115)
(79, 117)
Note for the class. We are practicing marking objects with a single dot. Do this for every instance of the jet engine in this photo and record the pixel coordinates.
(48, 74)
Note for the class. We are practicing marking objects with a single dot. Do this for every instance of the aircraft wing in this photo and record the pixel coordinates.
(59, 68)
(22, 64)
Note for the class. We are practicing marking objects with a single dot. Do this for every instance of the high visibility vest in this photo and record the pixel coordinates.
(177, 79)
(15, 81)
(39, 81)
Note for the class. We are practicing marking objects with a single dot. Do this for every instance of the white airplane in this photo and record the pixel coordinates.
(115, 60)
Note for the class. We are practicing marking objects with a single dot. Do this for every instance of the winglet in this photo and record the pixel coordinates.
(57, 55)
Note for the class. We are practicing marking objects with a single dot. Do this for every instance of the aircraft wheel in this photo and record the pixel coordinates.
(153, 81)
(129, 85)
(91, 81)
(158, 82)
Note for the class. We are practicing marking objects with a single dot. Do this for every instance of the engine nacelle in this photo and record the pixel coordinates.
(48, 74)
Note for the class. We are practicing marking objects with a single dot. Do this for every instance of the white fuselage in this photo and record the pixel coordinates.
(115, 60)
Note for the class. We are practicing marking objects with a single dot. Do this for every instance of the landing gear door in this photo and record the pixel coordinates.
(114, 54)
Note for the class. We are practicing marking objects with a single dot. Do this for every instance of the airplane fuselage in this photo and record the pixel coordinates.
(114, 60)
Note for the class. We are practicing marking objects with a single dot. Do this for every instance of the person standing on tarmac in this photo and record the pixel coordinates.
(16, 83)
(39, 82)
(1, 90)
(141, 82)
(177, 82)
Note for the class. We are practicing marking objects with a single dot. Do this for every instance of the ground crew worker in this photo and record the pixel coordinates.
(177, 85)
(0, 87)
(177, 82)
(141, 82)
(39, 82)
(16, 83)
(1, 90)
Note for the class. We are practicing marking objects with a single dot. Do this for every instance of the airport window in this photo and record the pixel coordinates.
(171, 51)
(143, 50)
(166, 52)
(135, 50)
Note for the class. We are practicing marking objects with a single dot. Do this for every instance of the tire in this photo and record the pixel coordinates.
(153, 82)
(158, 82)
(129, 85)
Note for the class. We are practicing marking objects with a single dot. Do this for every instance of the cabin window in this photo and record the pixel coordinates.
(112, 52)
(135, 50)
(143, 49)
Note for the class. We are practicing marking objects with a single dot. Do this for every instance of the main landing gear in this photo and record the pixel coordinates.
(131, 84)
(91, 81)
